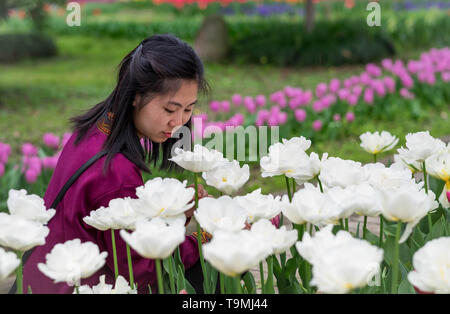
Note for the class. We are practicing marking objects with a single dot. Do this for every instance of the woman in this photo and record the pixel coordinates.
(157, 88)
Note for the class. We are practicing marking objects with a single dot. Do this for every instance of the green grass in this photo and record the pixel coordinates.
(40, 96)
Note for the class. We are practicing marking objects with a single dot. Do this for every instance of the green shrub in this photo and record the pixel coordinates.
(15, 47)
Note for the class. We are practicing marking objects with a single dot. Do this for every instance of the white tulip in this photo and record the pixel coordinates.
(223, 213)
(8, 264)
(309, 168)
(408, 203)
(311, 205)
(21, 234)
(280, 239)
(380, 176)
(420, 146)
(360, 199)
(121, 213)
(72, 261)
(438, 165)
(164, 197)
(340, 262)
(121, 287)
(233, 253)
(444, 198)
(201, 159)
(432, 267)
(31, 206)
(155, 239)
(259, 206)
(340, 172)
(376, 143)
(285, 158)
(228, 176)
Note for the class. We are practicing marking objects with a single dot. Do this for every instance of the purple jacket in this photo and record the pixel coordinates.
(91, 191)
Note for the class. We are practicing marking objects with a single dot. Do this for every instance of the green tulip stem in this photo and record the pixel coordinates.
(320, 184)
(294, 186)
(375, 158)
(365, 227)
(346, 224)
(380, 243)
(237, 283)
(171, 276)
(77, 290)
(19, 273)
(395, 261)
(425, 179)
(116, 267)
(199, 239)
(222, 283)
(130, 267)
(159, 276)
(261, 273)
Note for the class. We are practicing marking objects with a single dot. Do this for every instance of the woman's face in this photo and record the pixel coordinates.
(164, 114)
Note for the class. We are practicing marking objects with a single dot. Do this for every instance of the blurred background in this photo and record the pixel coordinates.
(315, 68)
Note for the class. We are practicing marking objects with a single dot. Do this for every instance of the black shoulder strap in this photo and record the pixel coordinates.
(58, 199)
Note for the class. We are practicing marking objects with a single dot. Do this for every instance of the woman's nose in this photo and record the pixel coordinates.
(176, 121)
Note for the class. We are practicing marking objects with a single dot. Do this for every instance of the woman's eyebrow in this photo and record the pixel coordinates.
(171, 102)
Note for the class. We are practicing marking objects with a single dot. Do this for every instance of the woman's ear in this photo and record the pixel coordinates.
(137, 100)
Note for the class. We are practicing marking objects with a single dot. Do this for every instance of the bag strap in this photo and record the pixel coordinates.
(58, 199)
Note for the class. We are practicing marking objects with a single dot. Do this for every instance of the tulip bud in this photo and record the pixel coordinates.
(448, 195)
(317, 125)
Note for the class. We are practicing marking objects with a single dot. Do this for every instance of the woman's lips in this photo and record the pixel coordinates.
(168, 134)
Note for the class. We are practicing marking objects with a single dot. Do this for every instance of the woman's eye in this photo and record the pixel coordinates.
(187, 110)
(169, 111)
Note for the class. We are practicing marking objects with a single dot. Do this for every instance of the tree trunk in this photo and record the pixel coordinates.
(309, 16)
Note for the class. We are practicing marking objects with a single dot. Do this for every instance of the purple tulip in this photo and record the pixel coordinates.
(29, 150)
(318, 106)
(300, 115)
(445, 76)
(292, 91)
(236, 99)
(389, 82)
(263, 115)
(272, 121)
(317, 125)
(387, 64)
(214, 106)
(407, 80)
(2, 169)
(49, 162)
(336, 117)
(276, 96)
(250, 104)
(350, 116)
(260, 100)
(365, 78)
(343, 94)
(239, 118)
(306, 97)
(5, 150)
(295, 102)
(448, 195)
(357, 90)
(355, 79)
(259, 122)
(51, 140)
(348, 83)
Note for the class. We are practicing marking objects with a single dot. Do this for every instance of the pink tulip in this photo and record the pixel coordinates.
(295, 102)
(350, 116)
(276, 96)
(306, 97)
(250, 105)
(49, 162)
(407, 80)
(183, 291)
(368, 95)
(2, 169)
(239, 118)
(236, 99)
(448, 195)
(29, 150)
(317, 106)
(321, 89)
(282, 102)
(5, 150)
(387, 64)
(202, 116)
(292, 91)
(373, 70)
(317, 125)
(282, 118)
(348, 83)
(353, 99)
(389, 82)
(263, 115)
(272, 121)
(300, 115)
(274, 111)
(214, 106)
(334, 85)
(51, 140)
(379, 88)
(405, 93)
(259, 122)
(260, 100)
(357, 90)
(31, 176)
(336, 117)
(225, 105)
(445, 76)
(355, 79)
(365, 78)
(66, 138)
(343, 94)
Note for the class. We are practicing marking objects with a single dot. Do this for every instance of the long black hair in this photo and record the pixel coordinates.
(156, 66)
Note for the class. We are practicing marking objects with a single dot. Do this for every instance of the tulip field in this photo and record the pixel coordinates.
(297, 161)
